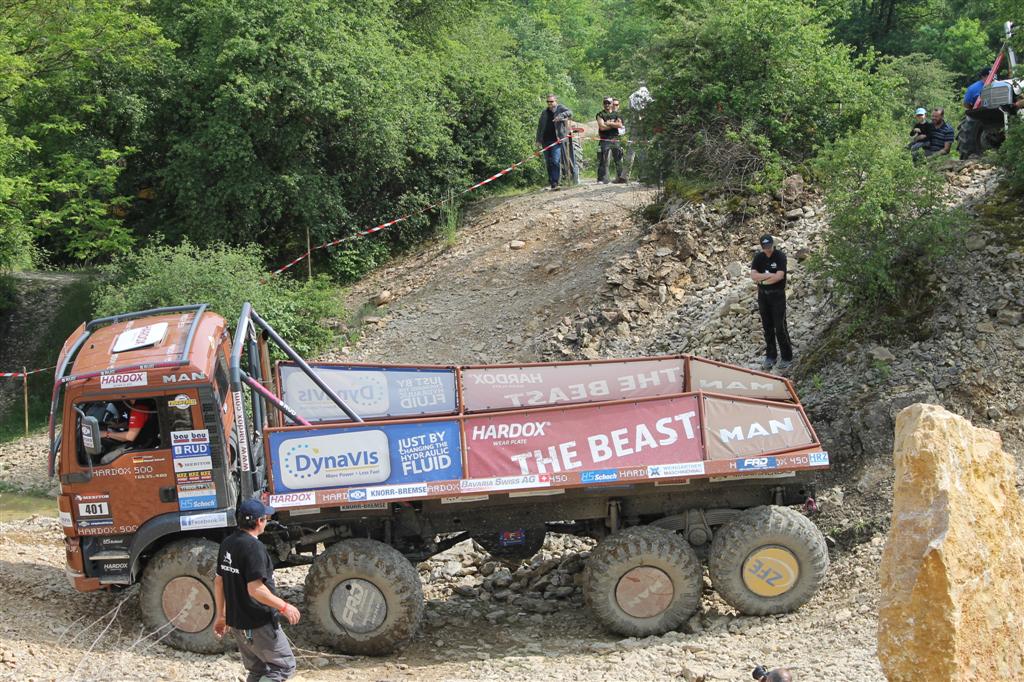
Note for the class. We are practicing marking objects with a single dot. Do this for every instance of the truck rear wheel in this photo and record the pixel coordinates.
(176, 596)
(768, 560)
(643, 581)
(365, 597)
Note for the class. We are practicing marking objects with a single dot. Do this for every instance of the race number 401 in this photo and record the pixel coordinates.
(93, 509)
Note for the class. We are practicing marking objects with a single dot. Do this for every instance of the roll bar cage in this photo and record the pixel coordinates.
(255, 346)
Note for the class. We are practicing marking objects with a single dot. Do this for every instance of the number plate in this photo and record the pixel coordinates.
(93, 509)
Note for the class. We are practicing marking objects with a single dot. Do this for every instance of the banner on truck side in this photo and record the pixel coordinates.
(498, 388)
(711, 376)
(371, 392)
(400, 453)
(743, 429)
(591, 438)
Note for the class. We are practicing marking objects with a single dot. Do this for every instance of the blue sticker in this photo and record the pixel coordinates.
(755, 463)
(312, 459)
(357, 494)
(371, 392)
(190, 450)
(199, 502)
(818, 459)
(599, 476)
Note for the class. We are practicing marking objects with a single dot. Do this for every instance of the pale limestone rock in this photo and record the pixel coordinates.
(952, 604)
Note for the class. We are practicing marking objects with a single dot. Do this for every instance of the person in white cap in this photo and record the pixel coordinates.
(919, 133)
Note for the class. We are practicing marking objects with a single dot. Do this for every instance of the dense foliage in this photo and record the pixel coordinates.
(124, 122)
(224, 277)
(889, 225)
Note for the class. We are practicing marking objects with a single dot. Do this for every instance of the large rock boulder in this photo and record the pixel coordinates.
(952, 572)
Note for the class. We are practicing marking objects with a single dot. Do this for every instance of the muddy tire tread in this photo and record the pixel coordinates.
(194, 557)
(386, 568)
(767, 525)
(639, 546)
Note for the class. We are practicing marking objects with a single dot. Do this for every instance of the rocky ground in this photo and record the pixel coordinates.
(511, 288)
(481, 623)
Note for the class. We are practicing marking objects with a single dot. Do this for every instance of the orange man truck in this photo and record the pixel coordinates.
(168, 422)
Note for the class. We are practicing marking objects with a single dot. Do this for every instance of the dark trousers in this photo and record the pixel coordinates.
(771, 303)
(608, 148)
(553, 157)
(266, 653)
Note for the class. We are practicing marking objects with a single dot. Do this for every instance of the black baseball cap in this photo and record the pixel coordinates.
(253, 509)
(766, 240)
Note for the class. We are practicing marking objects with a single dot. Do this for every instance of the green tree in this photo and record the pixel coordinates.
(63, 62)
(743, 82)
(962, 46)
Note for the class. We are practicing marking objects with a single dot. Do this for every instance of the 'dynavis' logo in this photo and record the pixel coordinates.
(365, 392)
(334, 460)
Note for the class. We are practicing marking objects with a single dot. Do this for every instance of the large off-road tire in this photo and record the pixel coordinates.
(768, 560)
(364, 597)
(177, 596)
(643, 581)
(975, 137)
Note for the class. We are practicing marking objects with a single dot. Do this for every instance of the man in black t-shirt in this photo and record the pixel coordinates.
(608, 123)
(246, 602)
(768, 270)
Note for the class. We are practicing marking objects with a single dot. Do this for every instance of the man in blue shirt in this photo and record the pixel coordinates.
(940, 139)
(975, 88)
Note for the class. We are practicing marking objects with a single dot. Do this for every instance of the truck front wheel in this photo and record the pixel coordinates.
(643, 581)
(768, 560)
(176, 596)
(365, 597)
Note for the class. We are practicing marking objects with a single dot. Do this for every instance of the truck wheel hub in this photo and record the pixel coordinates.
(644, 592)
(358, 606)
(770, 571)
(188, 604)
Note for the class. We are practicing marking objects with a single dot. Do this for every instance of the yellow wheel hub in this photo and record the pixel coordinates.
(770, 571)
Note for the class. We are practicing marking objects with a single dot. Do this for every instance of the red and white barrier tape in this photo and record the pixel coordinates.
(4, 375)
(424, 209)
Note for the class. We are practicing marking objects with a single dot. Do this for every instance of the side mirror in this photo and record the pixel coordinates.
(91, 436)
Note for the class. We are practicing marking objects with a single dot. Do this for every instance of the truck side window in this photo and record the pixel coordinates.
(132, 426)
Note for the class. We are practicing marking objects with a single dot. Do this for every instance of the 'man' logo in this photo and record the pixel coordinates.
(737, 385)
(184, 376)
(756, 430)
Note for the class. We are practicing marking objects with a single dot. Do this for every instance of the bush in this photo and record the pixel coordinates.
(1011, 156)
(763, 76)
(889, 227)
(224, 277)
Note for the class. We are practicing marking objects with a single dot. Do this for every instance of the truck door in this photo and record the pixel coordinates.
(128, 483)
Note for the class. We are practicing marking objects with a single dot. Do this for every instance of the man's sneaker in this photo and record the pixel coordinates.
(554, 188)
(620, 181)
(785, 364)
(767, 363)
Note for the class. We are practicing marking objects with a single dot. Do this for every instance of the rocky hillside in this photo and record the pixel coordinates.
(576, 274)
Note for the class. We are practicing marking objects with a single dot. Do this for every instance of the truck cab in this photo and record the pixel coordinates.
(145, 403)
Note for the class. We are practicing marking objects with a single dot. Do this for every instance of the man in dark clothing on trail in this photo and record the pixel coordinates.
(609, 121)
(553, 125)
(245, 599)
(768, 270)
(940, 139)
